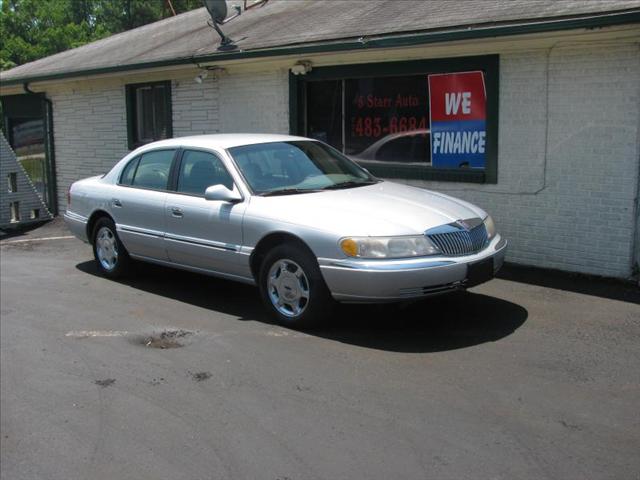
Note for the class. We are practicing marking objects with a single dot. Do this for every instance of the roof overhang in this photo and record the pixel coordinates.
(475, 32)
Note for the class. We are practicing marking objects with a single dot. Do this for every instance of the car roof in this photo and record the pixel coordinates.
(221, 140)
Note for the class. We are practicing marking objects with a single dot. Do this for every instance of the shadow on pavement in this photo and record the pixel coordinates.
(21, 230)
(609, 288)
(435, 324)
(431, 325)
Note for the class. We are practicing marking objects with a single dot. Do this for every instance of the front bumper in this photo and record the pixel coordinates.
(367, 281)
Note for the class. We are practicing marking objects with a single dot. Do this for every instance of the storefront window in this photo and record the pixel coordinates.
(428, 119)
(325, 112)
(386, 119)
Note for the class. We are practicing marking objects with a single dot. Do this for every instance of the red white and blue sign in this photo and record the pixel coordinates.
(458, 114)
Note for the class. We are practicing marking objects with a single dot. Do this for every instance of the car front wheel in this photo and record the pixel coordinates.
(293, 289)
(110, 255)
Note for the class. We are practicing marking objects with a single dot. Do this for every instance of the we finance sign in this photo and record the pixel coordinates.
(458, 112)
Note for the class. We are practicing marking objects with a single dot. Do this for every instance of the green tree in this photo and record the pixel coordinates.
(32, 29)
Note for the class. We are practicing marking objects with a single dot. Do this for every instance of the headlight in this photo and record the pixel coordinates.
(490, 226)
(388, 247)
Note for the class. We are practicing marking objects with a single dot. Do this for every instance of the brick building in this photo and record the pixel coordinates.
(560, 162)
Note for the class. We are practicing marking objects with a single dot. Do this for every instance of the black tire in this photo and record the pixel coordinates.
(111, 257)
(318, 305)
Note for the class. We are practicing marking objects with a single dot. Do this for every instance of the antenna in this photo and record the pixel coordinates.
(218, 11)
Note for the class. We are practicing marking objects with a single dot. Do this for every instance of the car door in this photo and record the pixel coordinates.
(138, 203)
(204, 233)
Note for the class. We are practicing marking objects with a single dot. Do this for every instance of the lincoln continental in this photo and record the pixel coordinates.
(294, 216)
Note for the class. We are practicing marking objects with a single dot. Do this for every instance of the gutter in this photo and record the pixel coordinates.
(363, 43)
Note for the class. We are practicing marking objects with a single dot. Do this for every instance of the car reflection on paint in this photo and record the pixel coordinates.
(406, 147)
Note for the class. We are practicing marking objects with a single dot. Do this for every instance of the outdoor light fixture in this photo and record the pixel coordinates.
(218, 11)
(206, 69)
(301, 68)
(201, 77)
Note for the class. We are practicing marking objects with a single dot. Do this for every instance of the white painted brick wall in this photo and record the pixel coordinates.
(195, 106)
(255, 102)
(580, 218)
(90, 132)
(583, 219)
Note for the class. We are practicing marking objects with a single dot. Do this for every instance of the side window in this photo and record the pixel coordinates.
(200, 170)
(126, 177)
(153, 170)
(149, 116)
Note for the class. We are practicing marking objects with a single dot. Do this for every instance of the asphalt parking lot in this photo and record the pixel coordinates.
(171, 375)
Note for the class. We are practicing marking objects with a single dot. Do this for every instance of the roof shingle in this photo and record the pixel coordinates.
(281, 23)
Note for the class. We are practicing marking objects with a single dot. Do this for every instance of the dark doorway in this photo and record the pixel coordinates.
(27, 123)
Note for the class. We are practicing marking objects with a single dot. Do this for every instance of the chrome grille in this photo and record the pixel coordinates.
(454, 239)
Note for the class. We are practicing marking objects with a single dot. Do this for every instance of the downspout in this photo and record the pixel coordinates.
(49, 148)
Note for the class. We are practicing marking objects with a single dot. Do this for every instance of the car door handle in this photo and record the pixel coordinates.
(176, 212)
(116, 202)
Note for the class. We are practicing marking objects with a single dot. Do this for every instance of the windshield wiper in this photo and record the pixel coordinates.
(349, 184)
(337, 186)
(287, 191)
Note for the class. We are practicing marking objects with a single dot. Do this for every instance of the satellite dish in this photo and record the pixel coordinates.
(217, 9)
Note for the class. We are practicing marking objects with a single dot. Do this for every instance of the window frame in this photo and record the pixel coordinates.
(132, 114)
(137, 158)
(489, 64)
(175, 171)
(121, 174)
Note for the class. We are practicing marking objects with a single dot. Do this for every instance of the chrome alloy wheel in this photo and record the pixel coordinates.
(288, 288)
(107, 248)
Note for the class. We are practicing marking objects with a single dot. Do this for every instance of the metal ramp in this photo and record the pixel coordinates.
(20, 203)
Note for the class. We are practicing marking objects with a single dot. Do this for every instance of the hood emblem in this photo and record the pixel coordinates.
(463, 225)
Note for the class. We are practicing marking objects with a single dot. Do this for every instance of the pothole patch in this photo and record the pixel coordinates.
(157, 381)
(163, 339)
(105, 383)
(201, 376)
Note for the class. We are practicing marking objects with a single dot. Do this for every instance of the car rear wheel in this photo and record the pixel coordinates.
(111, 257)
(292, 287)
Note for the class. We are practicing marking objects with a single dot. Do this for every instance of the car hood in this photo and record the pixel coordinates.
(385, 208)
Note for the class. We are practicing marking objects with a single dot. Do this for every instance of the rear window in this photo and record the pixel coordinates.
(150, 170)
(127, 174)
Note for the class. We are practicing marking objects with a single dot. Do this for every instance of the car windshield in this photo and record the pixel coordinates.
(282, 168)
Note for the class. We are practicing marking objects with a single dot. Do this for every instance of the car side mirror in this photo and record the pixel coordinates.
(221, 193)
